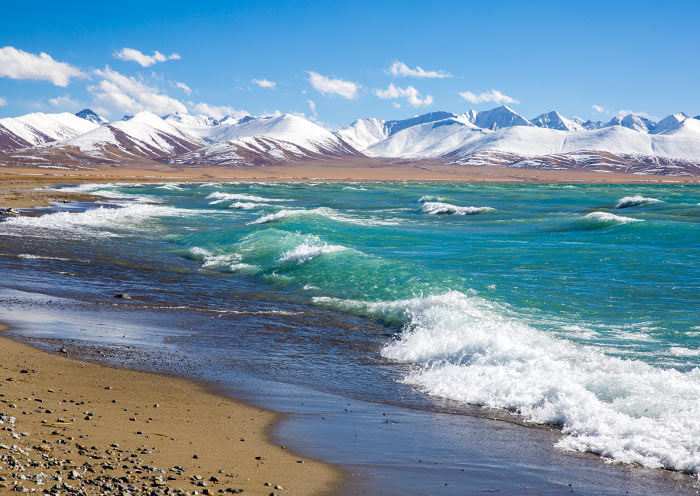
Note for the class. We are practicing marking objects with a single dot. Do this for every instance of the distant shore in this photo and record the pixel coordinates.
(17, 183)
(97, 428)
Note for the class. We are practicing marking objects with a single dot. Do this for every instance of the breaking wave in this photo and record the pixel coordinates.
(468, 349)
(439, 208)
(129, 217)
(311, 248)
(633, 201)
(326, 212)
(606, 219)
(220, 197)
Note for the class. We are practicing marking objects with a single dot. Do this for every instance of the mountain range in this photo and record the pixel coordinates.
(500, 136)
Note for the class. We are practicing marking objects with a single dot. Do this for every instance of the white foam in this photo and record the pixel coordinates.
(430, 198)
(470, 350)
(608, 218)
(129, 217)
(633, 201)
(439, 208)
(230, 261)
(247, 205)
(329, 213)
(311, 248)
(219, 197)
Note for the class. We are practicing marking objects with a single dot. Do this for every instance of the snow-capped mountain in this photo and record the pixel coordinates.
(454, 139)
(497, 118)
(364, 133)
(143, 135)
(91, 116)
(499, 136)
(38, 128)
(554, 120)
(253, 140)
(670, 123)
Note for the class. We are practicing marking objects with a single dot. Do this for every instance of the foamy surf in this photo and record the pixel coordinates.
(326, 212)
(469, 350)
(607, 219)
(129, 217)
(219, 197)
(439, 208)
(311, 248)
(634, 201)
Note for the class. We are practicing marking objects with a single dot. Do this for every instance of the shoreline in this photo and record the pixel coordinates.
(137, 426)
(17, 183)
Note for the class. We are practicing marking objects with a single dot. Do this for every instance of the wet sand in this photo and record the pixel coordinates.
(93, 428)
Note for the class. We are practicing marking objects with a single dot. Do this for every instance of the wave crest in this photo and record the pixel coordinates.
(439, 208)
(633, 201)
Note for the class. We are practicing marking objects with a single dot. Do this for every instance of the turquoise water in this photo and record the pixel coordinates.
(570, 305)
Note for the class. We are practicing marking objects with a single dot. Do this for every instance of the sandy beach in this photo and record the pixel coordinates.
(90, 429)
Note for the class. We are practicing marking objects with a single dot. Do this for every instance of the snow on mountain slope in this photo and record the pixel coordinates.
(637, 122)
(453, 139)
(145, 134)
(498, 118)
(288, 128)
(364, 133)
(429, 140)
(251, 141)
(91, 116)
(554, 120)
(38, 128)
(196, 125)
(670, 123)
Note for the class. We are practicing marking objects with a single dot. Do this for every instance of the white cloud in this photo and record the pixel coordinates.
(329, 86)
(411, 95)
(129, 95)
(400, 69)
(131, 54)
(217, 111)
(18, 64)
(396, 105)
(494, 96)
(624, 112)
(63, 101)
(312, 106)
(264, 83)
(598, 109)
(3, 102)
(182, 86)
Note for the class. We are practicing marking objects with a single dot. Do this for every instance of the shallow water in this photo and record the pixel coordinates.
(573, 306)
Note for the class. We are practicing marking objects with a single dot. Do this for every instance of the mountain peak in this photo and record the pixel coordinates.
(554, 120)
(498, 118)
(90, 115)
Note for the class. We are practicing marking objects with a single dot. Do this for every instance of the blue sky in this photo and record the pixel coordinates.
(536, 57)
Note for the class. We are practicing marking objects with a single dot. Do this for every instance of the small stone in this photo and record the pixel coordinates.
(278, 487)
(63, 350)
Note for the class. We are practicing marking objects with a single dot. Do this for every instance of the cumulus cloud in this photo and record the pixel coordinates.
(400, 69)
(3, 102)
(411, 95)
(133, 55)
(330, 86)
(598, 109)
(129, 94)
(18, 64)
(63, 101)
(217, 111)
(264, 83)
(494, 96)
(182, 86)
